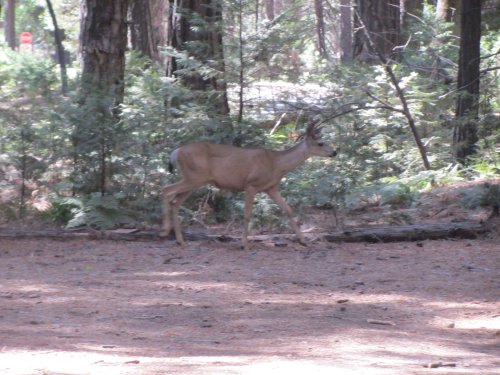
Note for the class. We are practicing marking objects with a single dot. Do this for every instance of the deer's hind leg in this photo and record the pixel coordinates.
(175, 215)
(171, 195)
(249, 199)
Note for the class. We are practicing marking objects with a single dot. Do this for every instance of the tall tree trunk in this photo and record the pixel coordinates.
(269, 6)
(410, 12)
(61, 57)
(382, 21)
(103, 40)
(345, 31)
(320, 29)
(467, 110)
(446, 10)
(241, 78)
(159, 12)
(442, 9)
(199, 21)
(257, 10)
(409, 9)
(10, 23)
(147, 27)
(449, 11)
(140, 27)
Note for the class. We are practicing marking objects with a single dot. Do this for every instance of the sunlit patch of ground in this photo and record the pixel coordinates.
(88, 307)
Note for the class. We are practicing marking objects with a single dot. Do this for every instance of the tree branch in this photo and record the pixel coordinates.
(399, 92)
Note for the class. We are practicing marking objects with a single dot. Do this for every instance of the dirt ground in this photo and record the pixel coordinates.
(91, 307)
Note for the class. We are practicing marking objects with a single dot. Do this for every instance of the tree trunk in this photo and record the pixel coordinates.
(409, 9)
(467, 110)
(449, 11)
(195, 27)
(399, 91)
(442, 9)
(241, 76)
(257, 10)
(382, 20)
(446, 9)
(320, 29)
(269, 6)
(148, 28)
(59, 48)
(419, 232)
(345, 31)
(10, 23)
(103, 40)
(159, 11)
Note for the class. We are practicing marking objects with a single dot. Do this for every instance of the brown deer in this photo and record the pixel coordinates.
(251, 170)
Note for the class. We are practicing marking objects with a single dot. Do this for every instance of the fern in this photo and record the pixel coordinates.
(99, 212)
(485, 195)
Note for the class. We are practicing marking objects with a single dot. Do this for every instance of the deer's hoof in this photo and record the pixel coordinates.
(164, 233)
(302, 242)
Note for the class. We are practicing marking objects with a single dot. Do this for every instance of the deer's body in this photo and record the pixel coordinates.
(236, 169)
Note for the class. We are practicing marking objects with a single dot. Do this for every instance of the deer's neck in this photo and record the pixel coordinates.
(292, 158)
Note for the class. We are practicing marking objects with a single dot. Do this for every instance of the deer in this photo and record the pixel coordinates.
(248, 170)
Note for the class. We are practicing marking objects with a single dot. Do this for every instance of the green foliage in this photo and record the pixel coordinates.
(483, 195)
(96, 211)
(53, 146)
(62, 210)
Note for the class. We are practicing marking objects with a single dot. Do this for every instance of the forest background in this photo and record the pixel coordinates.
(408, 91)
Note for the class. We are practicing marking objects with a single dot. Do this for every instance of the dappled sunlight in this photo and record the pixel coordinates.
(473, 323)
(20, 286)
(62, 362)
(163, 274)
(121, 308)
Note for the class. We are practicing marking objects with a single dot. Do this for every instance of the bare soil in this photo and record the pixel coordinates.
(116, 307)
(90, 307)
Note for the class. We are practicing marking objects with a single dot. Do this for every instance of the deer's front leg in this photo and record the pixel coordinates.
(278, 199)
(175, 215)
(249, 198)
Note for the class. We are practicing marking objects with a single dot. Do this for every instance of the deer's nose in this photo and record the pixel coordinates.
(334, 153)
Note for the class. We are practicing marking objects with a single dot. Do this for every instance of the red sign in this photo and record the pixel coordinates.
(26, 38)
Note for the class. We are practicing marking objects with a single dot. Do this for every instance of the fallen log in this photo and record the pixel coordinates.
(417, 232)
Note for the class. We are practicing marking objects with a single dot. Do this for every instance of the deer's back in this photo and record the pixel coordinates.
(227, 167)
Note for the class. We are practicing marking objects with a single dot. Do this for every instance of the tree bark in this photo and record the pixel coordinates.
(399, 91)
(446, 9)
(382, 20)
(467, 109)
(417, 232)
(195, 27)
(103, 40)
(409, 9)
(148, 27)
(159, 12)
(269, 7)
(10, 23)
(345, 31)
(320, 29)
(141, 29)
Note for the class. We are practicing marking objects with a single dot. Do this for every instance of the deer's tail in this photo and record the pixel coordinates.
(173, 161)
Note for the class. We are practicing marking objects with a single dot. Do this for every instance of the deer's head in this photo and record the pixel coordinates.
(316, 145)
